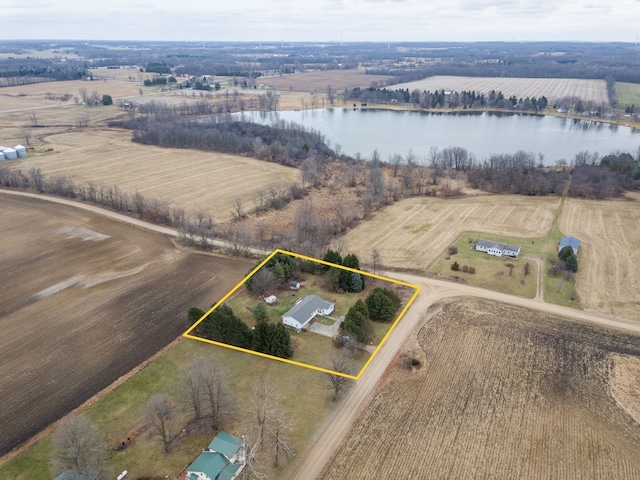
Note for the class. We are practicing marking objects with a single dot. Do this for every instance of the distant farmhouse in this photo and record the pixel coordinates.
(572, 242)
(306, 310)
(498, 249)
(223, 459)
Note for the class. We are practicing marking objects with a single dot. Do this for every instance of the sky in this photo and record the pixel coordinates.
(322, 20)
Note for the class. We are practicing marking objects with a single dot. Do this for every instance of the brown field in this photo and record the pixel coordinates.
(192, 179)
(608, 279)
(552, 88)
(319, 81)
(412, 233)
(502, 392)
(83, 301)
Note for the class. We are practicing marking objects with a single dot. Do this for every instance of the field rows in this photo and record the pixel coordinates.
(412, 233)
(552, 88)
(608, 278)
(193, 180)
(500, 395)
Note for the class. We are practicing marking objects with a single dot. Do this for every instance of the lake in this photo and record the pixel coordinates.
(482, 133)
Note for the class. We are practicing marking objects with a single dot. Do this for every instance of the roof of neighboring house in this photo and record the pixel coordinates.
(498, 245)
(214, 462)
(572, 242)
(226, 444)
(304, 309)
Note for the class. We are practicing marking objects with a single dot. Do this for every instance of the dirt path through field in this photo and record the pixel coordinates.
(336, 428)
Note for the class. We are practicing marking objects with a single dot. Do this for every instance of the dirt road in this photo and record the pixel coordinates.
(335, 429)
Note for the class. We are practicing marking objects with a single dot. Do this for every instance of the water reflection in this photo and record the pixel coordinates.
(482, 133)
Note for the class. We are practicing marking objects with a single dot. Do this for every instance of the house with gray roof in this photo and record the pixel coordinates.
(223, 459)
(572, 242)
(497, 249)
(306, 310)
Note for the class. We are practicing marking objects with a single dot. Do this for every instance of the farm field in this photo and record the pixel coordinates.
(628, 94)
(502, 392)
(552, 88)
(412, 233)
(194, 180)
(84, 300)
(608, 279)
(319, 81)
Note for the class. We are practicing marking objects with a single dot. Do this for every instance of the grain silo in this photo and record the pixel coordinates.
(10, 153)
(1, 156)
(21, 151)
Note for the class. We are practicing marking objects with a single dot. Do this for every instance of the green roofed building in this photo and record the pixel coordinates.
(223, 459)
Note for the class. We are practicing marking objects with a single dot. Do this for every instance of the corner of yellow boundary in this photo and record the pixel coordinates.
(416, 288)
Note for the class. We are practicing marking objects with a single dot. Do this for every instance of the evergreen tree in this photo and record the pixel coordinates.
(572, 263)
(194, 314)
(565, 253)
(223, 326)
(332, 279)
(332, 257)
(381, 307)
(260, 312)
(355, 284)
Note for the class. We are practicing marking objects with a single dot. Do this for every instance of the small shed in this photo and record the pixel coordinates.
(572, 242)
(270, 300)
(294, 285)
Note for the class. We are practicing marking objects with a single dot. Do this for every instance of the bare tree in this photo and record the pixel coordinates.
(263, 282)
(527, 269)
(78, 449)
(82, 121)
(190, 388)
(375, 260)
(237, 206)
(280, 432)
(34, 119)
(162, 415)
(262, 400)
(83, 94)
(37, 178)
(336, 379)
(218, 397)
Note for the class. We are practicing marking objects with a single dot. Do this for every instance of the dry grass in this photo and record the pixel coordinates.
(413, 232)
(503, 392)
(194, 180)
(608, 279)
(552, 88)
(319, 81)
(628, 94)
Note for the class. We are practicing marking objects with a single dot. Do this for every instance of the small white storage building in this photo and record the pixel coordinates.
(306, 310)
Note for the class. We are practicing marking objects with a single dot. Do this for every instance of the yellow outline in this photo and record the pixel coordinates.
(417, 289)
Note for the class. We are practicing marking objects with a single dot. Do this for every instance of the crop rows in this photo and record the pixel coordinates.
(503, 393)
(552, 88)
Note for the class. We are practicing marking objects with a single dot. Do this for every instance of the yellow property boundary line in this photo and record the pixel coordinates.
(417, 289)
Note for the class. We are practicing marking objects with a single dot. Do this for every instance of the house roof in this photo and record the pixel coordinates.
(305, 308)
(498, 245)
(572, 242)
(214, 462)
(226, 444)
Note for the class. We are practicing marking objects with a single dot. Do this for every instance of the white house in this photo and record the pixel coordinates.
(306, 310)
(498, 249)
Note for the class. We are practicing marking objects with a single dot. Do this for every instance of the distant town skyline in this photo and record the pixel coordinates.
(323, 20)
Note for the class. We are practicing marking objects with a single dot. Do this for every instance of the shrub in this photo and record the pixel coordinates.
(455, 266)
(453, 250)
(472, 270)
(465, 269)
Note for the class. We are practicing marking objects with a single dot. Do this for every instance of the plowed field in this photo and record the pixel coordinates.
(413, 232)
(85, 299)
(503, 392)
(192, 179)
(608, 278)
(552, 88)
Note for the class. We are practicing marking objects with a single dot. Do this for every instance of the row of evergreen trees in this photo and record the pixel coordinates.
(340, 279)
(222, 325)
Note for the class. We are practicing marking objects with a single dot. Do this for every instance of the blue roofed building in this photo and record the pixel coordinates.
(572, 242)
(223, 459)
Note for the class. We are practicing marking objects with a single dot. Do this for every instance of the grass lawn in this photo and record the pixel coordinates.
(491, 272)
(303, 392)
(628, 94)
